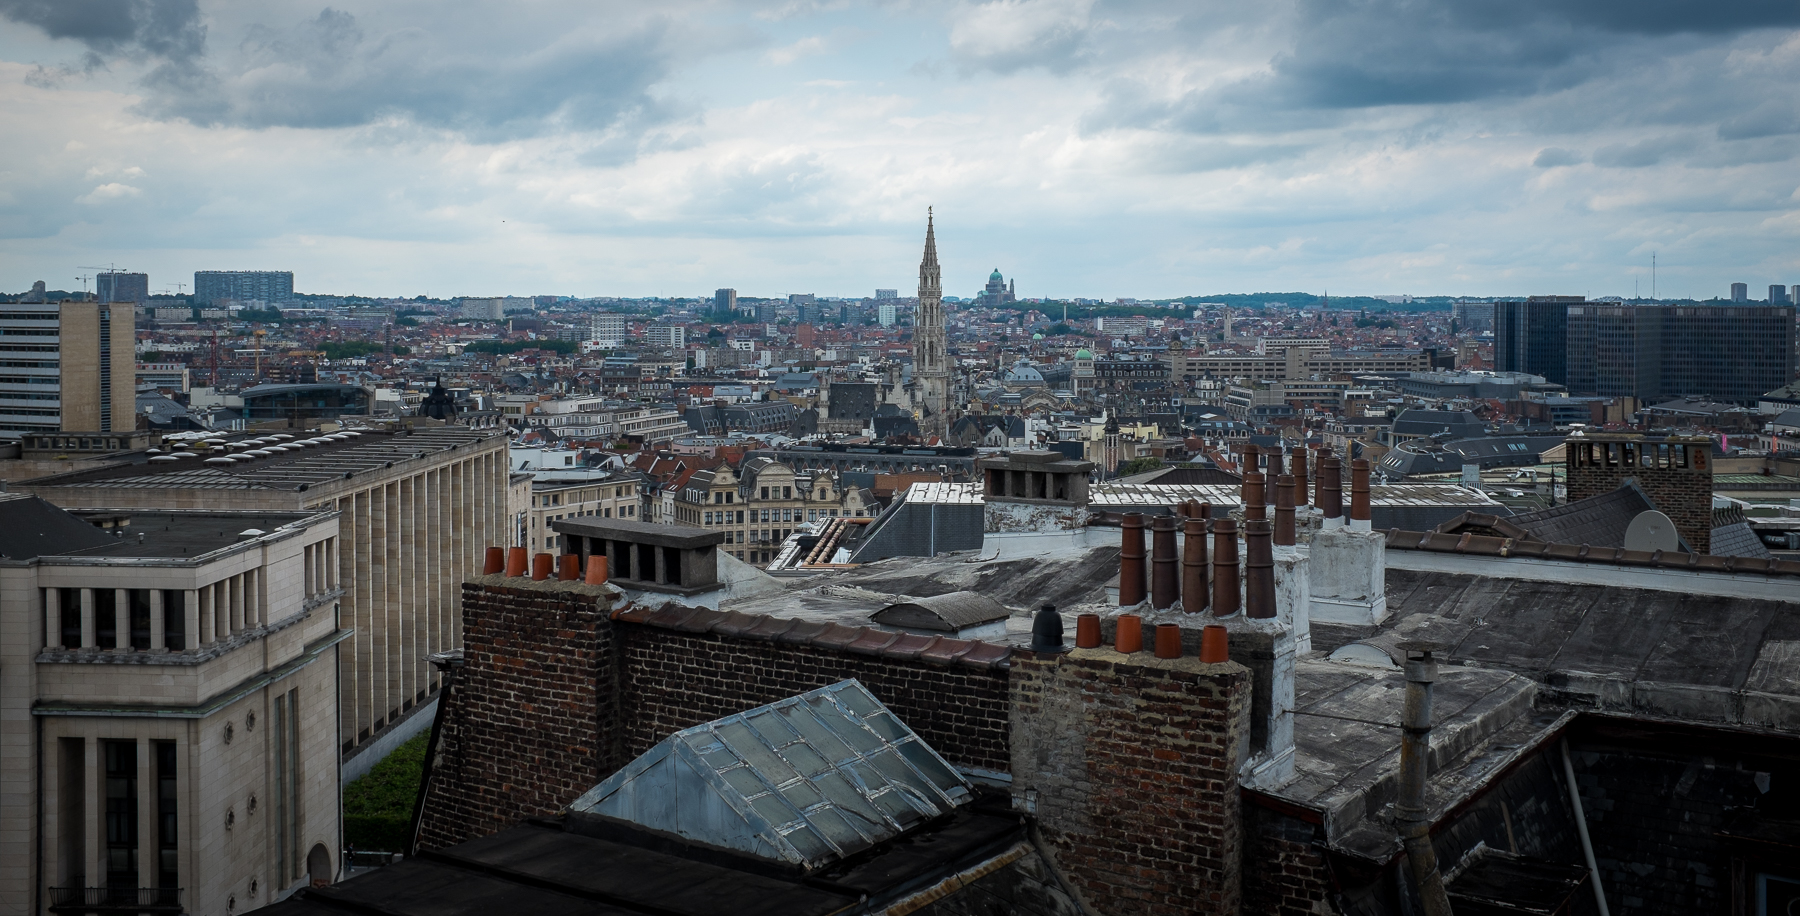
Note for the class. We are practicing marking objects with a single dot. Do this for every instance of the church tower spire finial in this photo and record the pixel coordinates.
(930, 366)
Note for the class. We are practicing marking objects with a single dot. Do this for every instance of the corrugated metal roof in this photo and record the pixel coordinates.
(806, 780)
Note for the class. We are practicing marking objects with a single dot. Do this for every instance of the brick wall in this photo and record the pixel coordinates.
(521, 734)
(672, 680)
(1683, 494)
(1287, 873)
(1130, 764)
(1653, 818)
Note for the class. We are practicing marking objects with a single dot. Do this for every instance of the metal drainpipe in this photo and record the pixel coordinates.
(1587, 848)
(1415, 762)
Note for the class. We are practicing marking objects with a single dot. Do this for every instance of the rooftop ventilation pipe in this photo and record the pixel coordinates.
(1331, 497)
(1284, 510)
(1225, 568)
(1047, 631)
(1359, 494)
(1259, 570)
(494, 562)
(1255, 496)
(1301, 496)
(1131, 560)
(1193, 562)
(1165, 568)
(1415, 762)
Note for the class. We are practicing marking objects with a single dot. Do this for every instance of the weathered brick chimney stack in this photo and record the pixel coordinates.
(1129, 763)
(1348, 581)
(1674, 471)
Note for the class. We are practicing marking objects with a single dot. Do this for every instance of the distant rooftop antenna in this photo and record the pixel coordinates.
(1652, 276)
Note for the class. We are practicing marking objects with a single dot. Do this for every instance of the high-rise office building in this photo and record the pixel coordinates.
(1472, 317)
(1528, 336)
(724, 302)
(1656, 352)
(887, 294)
(885, 314)
(1778, 295)
(1740, 292)
(68, 367)
(212, 286)
(119, 286)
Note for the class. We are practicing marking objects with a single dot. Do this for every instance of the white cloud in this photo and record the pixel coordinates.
(1083, 146)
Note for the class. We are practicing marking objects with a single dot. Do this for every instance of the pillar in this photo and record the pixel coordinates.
(93, 783)
(122, 619)
(53, 618)
(157, 626)
(88, 631)
(203, 603)
(190, 605)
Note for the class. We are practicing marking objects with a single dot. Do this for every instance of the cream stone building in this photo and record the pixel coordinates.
(417, 507)
(168, 707)
(760, 504)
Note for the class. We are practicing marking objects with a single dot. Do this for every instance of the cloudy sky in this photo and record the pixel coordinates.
(1088, 148)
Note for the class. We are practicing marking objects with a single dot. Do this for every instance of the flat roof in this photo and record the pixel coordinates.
(328, 457)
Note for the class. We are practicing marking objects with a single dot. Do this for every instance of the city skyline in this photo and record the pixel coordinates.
(1091, 150)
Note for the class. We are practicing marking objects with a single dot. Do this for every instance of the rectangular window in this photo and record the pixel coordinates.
(168, 848)
(70, 607)
(106, 623)
(121, 814)
(138, 600)
(765, 492)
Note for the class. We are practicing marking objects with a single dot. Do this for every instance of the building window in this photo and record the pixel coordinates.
(69, 605)
(168, 835)
(121, 814)
(139, 617)
(106, 627)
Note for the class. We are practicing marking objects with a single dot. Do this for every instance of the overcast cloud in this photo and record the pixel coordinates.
(1088, 148)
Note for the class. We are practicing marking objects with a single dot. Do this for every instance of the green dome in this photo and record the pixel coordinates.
(1037, 337)
(1084, 353)
(995, 275)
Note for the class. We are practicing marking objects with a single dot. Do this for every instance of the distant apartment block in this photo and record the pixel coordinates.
(67, 367)
(609, 329)
(492, 308)
(212, 286)
(118, 286)
(885, 314)
(666, 336)
(1778, 295)
(1740, 292)
(887, 294)
(725, 301)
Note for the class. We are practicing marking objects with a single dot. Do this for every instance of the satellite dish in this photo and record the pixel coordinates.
(1652, 530)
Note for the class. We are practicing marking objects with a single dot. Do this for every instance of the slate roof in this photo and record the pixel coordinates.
(1598, 520)
(35, 528)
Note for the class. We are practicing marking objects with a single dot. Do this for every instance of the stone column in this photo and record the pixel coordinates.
(122, 619)
(89, 632)
(158, 627)
(235, 596)
(93, 783)
(190, 606)
(53, 618)
(203, 603)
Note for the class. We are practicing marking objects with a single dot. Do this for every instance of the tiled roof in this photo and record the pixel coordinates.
(1487, 545)
(1598, 520)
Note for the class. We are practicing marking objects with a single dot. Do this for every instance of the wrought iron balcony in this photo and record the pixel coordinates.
(115, 900)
